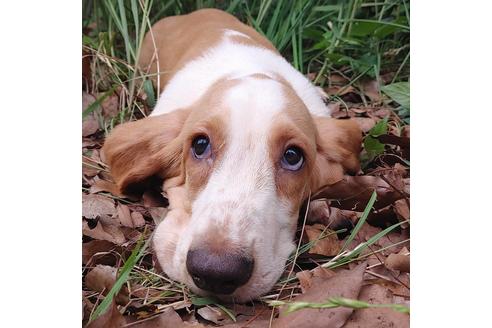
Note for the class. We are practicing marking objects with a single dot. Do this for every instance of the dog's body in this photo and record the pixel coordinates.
(240, 139)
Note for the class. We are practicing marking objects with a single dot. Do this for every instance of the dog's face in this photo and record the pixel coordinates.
(237, 167)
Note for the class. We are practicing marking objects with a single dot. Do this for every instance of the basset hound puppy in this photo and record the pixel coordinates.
(240, 140)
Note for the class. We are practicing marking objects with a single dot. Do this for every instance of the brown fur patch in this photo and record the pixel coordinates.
(339, 145)
(138, 152)
(175, 41)
(198, 170)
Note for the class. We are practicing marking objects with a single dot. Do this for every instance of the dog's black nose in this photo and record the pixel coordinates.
(219, 273)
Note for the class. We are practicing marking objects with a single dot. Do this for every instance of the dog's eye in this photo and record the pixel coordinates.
(201, 147)
(292, 159)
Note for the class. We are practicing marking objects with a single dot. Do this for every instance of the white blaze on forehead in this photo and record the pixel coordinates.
(252, 103)
(242, 186)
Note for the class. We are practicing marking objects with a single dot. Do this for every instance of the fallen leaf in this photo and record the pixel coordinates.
(306, 277)
(367, 231)
(346, 283)
(257, 323)
(398, 262)
(94, 206)
(212, 314)
(110, 106)
(377, 317)
(340, 90)
(167, 319)
(402, 209)
(90, 166)
(94, 247)
(112, 318)
(104, 185)
(338, 79)
(102, 278)
(137, 219)
(325, 240)
(371, 90)
(103, 231)
(353, 193)
(124, 216)
(90, 125)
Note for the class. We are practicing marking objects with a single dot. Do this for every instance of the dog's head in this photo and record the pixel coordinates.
(237, 166)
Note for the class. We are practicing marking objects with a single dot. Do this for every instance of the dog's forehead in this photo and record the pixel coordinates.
(252, 103)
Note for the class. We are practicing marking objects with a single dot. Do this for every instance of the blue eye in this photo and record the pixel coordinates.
(292, 159)
(201, 147)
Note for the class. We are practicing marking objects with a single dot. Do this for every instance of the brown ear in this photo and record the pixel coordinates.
(339, 144)
(143, 152)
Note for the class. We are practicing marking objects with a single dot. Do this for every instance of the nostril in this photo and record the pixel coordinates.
(221, 273)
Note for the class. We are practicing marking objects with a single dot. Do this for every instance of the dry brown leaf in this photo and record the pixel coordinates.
(398, 262)
(257, 323)
(94, 247)
(104, 185)
(103, 231)
(137, 219)
(338, 79)
(353, 193)
(94, 206)
(340, 90)
(90, 125)
(112, 318)
(371, 90)
(124, 216)
(367, 231)
(102, 278)
(110, 106)
(345, 283)
(167, 319)
(213, 314)
(327, 246)
(402, 209)
(90, 164)
(306, 277)
(395, 287)
(377, 317)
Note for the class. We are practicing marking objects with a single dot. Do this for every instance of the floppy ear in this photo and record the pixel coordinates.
(338, 147)
(144, 152)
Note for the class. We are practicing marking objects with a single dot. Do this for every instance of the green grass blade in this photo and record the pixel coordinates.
(361, 221)
(136, 254)
(335, 302)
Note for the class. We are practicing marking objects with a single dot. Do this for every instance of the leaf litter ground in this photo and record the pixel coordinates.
(351, 268)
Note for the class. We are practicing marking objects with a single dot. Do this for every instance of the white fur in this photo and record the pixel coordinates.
(229, 59)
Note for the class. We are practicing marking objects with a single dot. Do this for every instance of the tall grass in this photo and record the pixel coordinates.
(355, 38)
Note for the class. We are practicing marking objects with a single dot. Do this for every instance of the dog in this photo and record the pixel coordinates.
(240, 139)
